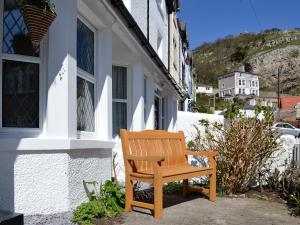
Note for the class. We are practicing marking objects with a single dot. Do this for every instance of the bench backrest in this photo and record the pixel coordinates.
(154, 143)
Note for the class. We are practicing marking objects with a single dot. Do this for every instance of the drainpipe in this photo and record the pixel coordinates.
(169, 31)
(148, 20)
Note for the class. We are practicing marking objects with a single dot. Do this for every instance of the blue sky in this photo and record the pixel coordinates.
(208, 20)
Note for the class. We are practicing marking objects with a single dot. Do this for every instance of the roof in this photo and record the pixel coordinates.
(204, 85)
(289, 102)
(233, 73)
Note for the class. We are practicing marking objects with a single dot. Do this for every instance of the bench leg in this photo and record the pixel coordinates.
(158, 198)
(185, 187)
(212, 186)
(128, 195)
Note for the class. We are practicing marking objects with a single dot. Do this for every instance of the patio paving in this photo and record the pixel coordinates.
(225, 211)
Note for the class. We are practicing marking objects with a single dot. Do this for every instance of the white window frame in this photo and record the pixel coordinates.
(128, 88)
(41, 60)
(90, 78)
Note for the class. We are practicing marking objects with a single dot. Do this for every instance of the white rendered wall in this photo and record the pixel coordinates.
(187, 120)
(62, 72)
(158, 23)
(39, 182)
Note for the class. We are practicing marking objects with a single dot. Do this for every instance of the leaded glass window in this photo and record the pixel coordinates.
(20, 74)
(85, 47)
(119, 107)
(15, 33)
(85, 105)
(85, 79)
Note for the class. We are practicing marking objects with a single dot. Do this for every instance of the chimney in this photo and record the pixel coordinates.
(241, 68)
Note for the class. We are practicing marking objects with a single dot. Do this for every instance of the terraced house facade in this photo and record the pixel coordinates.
(103, 65)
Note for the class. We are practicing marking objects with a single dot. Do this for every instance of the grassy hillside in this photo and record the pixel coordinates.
(227, 54)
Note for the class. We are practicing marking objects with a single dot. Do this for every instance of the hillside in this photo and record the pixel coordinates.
(262, 53)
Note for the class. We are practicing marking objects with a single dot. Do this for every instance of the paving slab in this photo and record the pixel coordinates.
(225, 211)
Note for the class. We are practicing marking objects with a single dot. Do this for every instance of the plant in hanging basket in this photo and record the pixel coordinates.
(38, 16)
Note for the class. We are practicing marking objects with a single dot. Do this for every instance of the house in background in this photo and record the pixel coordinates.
(238, 83)
(186, 76)
(102, 66)
(180, 58)
(204, 89)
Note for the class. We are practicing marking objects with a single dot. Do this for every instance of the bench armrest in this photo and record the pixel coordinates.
(146, 158)
(206, 154)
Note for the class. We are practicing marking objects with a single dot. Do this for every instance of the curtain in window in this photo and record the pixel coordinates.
(119, 83)
(119, 107)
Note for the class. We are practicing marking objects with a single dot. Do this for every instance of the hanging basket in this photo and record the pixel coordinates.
(37, 22)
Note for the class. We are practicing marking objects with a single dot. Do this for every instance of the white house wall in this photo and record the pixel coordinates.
(158, 23)
(44, 173)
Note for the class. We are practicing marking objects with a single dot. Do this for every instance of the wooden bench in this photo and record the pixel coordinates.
(160, 157)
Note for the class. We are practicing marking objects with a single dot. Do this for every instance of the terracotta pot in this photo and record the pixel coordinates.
(38, 22)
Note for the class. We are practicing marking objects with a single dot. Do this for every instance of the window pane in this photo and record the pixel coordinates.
(20, 94)
(119, 117)
(85, 106)
(85, 48)
(119, 82)
(156, 113)
(15, 34)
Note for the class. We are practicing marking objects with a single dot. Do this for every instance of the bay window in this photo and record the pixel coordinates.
(85, 77)
(20, 69)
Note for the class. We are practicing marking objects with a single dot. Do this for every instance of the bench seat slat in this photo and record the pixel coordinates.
(171, 171)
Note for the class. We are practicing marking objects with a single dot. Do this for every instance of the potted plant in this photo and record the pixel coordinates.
(38, 16)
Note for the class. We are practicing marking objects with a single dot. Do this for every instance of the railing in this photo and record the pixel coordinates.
(296, 152)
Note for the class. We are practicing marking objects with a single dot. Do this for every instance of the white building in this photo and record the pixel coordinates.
(186, 78)
(238, 83)
(98, 69)
(204, 89)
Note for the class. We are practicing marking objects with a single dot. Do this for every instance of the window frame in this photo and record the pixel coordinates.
(92, 78)
(41, 61)
(118, 100)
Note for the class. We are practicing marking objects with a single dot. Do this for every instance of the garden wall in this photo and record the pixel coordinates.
(283, 157)
(187, 120)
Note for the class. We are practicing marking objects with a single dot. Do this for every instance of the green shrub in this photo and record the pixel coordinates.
(106, 201)
(287, 184)
(294, 53)
(244, 145)
(173, 187)
(42, 4)
(87, 212)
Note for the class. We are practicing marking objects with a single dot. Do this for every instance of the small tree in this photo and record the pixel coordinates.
(244, 145)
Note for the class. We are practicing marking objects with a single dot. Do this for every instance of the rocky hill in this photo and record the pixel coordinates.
(265, 54)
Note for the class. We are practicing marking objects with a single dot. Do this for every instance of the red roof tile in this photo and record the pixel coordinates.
(289, 102)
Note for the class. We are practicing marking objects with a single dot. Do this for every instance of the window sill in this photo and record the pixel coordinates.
(39, 144)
